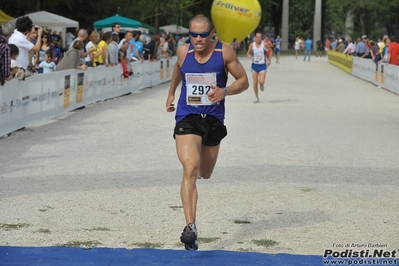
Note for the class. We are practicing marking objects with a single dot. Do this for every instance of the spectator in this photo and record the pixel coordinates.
(182, 40)
(149, 49)
(136, 36)
(319, 49)
(139, 49)
(56, 39)
(32, 37)
(308, 49)
(327, 45)
(23, 27)
(46, 47)
(113, 50)
(373, 50)
(381, 46)
(91, 57)
(116, 29)
(69, 39)
(361, 47)
(14, 52)
(163, 48)
(47, 65)
(235, 45)
(57, 54)
(341, 46)
(393, 52)
(6, 30)
(123, 52)
(128, 37)
(82, 36)
(351, 48)
(297, 47)
(103, 59)
(384, 54)
(71, 59)
(334, 44)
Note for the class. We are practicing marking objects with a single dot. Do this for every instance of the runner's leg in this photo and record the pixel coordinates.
(188, 151)
(209, 155)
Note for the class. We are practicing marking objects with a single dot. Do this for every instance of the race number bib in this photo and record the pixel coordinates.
(258, 58)
(198, 86)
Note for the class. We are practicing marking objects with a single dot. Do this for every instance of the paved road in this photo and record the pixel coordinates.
(313, 165)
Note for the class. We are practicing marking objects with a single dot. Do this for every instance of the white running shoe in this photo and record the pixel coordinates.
(262, 87)
(256, 100)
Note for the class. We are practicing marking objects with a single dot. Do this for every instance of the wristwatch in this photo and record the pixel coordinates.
(225, 90)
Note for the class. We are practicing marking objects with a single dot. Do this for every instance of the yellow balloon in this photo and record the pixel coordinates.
(235, 18)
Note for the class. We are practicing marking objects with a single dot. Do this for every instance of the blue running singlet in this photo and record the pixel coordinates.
(216, 65)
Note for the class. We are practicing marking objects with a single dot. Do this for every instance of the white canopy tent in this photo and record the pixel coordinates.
(176, 29)
(53, 21)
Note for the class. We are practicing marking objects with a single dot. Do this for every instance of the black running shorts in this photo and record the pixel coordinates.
(208, 127)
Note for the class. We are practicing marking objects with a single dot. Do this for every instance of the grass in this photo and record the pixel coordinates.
(245, 249)
(98, 229)
(91, 243)
(43, 231)
(265, 242)
(175, 208)
(46, 208)
(242, 222)
(148, 245)
(307, 189)
(206, 240)
(9, 227)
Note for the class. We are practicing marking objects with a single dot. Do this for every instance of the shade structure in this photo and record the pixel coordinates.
(51, 20)
(4, 17)
(176, 29)
(123, 21)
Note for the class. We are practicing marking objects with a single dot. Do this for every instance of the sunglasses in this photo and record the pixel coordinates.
(201, 34)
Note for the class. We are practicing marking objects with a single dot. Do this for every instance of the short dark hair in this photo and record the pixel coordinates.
(202, 18)
(14, 50)
(24, 24)
(114, 25)
(49, 54)
(106, 36)
(259, 31)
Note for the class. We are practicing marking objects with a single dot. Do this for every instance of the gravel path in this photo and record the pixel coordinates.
(314, 164)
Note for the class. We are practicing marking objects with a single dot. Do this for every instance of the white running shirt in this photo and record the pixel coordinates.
(259, 54)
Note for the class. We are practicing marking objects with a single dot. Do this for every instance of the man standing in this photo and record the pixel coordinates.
(202, 66)
(361, 47)
(393, 52)
(128, 38)
(308, 49)
(319, 45)
(23, 26)
(82, 36)
(260, 51)
(116, 29)
(6, 30)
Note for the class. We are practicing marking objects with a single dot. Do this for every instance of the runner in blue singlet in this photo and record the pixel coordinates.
(202, 67)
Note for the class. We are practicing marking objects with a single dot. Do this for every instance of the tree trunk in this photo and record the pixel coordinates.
(156, 24)
(39, 5)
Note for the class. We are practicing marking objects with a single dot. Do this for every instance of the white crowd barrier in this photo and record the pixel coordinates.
(45, 96)
(386, 76)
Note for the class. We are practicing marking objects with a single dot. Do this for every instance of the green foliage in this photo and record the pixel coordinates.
(370, 17)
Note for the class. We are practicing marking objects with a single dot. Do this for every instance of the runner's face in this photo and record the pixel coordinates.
(199, 43)
(258, 38)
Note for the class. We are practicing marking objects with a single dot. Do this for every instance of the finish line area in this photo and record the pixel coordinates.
(309, 170)
(107, 256)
